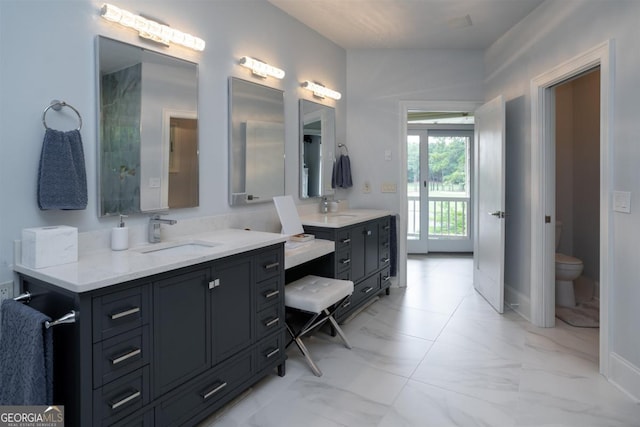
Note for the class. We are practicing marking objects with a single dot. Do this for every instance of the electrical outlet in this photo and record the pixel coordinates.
(366, 188)
(6, 291)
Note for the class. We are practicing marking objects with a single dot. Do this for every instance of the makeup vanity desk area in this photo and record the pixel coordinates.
(362, 239)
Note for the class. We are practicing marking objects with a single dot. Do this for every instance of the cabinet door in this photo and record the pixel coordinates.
(181, 331)
(232, 315)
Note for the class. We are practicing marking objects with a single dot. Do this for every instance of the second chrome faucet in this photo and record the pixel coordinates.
(154, 227)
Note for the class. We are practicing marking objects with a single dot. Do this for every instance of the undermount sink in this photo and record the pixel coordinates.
(342, 215)
(191, 247)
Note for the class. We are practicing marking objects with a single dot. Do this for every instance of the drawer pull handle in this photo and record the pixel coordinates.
(214, 391)
(386, 278)
(272, 322)
(345, 261)
(386, 228)
(272, 265)
(271, 294)
(367, 289)
(128, 355)
(367, 232)
(272, 353)
(125, 313)
(345, 241)
(346, 304)
(385, 260)
(214, 283)
(119, 403)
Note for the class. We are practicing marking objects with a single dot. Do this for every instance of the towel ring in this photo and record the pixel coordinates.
(57, 105)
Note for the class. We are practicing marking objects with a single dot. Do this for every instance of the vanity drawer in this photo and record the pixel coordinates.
(269, 320)
(385, 278)
(343, 259)
(120, 355)
(120, 311)
(181, 406)
(121, 397)
(343, 239)
(271, 351)
(269, 292)
(365, 289)
(269, 264)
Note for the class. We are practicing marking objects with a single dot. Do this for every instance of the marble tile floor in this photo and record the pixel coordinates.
(436, 354)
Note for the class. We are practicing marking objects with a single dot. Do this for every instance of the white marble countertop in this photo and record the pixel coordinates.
(343, 218)
(307, 251)
(101, 268)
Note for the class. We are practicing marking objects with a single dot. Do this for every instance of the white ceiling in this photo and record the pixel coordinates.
(421, 24)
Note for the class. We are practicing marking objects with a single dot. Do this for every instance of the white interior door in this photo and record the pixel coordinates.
(488, 258)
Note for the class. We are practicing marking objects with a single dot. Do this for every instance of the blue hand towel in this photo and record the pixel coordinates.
(62, 178)
(341, 176)
(26, 361)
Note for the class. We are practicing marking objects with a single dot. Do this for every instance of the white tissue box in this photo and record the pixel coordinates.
(49, 246)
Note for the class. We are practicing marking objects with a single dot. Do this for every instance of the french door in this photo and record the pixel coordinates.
(439, 190)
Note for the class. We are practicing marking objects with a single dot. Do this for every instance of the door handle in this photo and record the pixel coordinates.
(498, 214)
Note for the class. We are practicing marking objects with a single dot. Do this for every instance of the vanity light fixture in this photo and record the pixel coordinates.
(260, 68)
(321, 91)
(150, 29)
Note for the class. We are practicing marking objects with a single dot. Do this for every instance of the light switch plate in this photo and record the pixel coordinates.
(389, 187)
(622, 201)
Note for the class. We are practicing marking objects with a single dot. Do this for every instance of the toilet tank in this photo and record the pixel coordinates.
(558, 233)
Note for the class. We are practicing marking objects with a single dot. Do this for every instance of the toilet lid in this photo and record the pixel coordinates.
(566, 259)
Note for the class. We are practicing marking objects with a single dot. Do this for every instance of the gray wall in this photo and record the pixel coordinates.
(554, 33)
(47, 52)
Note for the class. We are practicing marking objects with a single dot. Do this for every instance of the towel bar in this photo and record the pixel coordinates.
(57, 106)
(70, 317)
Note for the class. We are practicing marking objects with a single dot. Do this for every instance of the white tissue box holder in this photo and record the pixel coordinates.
(49, 246)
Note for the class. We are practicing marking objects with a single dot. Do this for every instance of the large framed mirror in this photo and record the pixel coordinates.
(317, 149)
(148, 130)
(256, 142)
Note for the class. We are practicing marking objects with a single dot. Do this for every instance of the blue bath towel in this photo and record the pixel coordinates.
(341, 176)
(26, 356)
(62, 178)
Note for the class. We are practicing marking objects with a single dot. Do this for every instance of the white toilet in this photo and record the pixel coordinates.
(568, 269)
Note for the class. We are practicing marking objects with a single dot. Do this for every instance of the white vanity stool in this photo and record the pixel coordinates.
(320, 297)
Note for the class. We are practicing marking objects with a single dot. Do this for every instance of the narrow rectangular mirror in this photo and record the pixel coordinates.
(148, 130)
(317, 146)
(256, 142)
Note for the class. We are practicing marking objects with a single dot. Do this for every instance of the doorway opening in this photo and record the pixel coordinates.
(577, 203)
(439, 187)
(543, 206)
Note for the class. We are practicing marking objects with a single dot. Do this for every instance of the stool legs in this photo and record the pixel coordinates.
(338, 329)
(316, 371)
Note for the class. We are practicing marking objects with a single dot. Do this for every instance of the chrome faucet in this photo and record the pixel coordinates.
(154, 227)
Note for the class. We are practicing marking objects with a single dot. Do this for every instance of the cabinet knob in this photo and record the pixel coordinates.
(128, 355)
(272, 353)
(216, 389)
(125, 313)
(127, 399)
(272, 322)
(272, 265)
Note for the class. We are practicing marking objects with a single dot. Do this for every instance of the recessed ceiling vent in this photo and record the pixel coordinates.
(460, 22)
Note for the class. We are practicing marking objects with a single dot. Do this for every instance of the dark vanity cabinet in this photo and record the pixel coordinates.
(362, 254)
(169, 349)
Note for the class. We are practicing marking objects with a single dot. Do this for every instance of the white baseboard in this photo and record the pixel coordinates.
(517, 301)
(625, 376)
